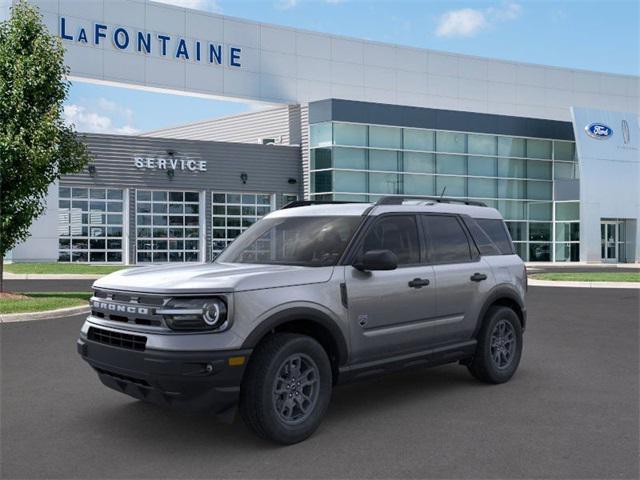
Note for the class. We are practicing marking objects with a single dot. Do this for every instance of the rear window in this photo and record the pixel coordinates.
(497, 232)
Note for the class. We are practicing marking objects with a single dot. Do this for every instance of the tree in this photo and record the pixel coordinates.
(36, 147)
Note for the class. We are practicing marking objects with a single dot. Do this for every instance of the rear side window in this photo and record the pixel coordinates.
(497, 232)
(446, 239)
(484, 243)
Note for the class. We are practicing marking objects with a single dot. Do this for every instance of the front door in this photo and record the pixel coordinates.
(609, 241)
(390, 311)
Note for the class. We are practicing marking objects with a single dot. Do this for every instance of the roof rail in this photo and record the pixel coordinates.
(306, 203)
(398, 200)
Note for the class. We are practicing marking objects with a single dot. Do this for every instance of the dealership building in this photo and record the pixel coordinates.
(555, 150)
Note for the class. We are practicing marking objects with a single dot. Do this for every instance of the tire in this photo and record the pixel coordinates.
(497, 358)
(271, 404)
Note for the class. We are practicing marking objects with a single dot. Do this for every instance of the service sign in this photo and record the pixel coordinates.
(171, 163)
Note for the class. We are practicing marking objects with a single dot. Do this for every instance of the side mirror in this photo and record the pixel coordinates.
(377, 260)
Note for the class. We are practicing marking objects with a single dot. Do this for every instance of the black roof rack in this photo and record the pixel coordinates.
(306, 203)
(398, 200)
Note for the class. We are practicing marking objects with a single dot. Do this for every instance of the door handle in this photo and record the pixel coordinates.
(419, 283)
(478, 277)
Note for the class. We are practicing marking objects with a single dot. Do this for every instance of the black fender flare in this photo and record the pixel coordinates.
(300, 313)
(498, 293)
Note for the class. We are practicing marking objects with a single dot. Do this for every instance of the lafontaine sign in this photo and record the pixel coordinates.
(146, 43)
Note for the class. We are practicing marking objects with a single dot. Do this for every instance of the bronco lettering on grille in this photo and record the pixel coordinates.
(117, 307)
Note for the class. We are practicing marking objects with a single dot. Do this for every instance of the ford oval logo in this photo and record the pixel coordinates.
(599, 131)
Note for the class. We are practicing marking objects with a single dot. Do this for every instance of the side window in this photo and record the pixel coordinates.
(497, 232)
(447, 240)
(398, 233)
(484, 243)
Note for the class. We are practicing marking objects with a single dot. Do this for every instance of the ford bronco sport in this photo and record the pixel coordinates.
(312, 295)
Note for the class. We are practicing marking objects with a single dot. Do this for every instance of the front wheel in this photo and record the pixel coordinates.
(499, 346)
(286, 389)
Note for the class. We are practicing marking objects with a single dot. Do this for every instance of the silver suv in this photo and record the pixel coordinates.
(314, 294)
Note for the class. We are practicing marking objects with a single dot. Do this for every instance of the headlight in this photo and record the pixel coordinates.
(195, 314)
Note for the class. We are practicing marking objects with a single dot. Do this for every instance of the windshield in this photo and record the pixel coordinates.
(306, 241)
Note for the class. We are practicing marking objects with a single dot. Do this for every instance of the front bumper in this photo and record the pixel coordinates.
(185, 380)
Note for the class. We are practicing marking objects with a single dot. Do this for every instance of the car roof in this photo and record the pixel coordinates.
(358, 209)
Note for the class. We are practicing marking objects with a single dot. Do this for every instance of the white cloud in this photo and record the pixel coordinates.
(86, 120)
(208, 5)
(467, 22)
(286, 4)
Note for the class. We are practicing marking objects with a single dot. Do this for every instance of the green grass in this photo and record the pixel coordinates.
(49, 268)
(589, 276)
(42, 301)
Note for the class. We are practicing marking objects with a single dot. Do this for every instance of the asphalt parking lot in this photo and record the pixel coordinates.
(570, 412)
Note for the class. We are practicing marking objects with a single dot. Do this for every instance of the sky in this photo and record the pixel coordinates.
(600, 35)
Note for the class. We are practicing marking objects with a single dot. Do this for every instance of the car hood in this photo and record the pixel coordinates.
(211, 278)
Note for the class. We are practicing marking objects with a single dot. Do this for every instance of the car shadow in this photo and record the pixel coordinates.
(191, 432)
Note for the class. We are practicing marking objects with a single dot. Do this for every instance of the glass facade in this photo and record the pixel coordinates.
(233, 213)
(90, 225)
(513, 174)
(167, 226)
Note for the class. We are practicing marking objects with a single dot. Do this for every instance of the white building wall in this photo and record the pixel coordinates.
(287, 65)
(609, 178)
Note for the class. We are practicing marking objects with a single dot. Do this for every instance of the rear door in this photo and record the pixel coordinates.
(390, 311)
(462, 277)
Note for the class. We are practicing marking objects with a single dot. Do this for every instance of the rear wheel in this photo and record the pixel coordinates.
(286, 389)
(499, 346)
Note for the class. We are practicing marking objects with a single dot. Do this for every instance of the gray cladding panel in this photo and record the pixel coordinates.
(419, 117)
(268, 167)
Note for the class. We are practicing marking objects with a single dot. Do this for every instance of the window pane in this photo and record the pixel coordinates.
(567, 232)
(539, 232)
(446, 239)
(355, 182)
(540, 211)
(385, 137)
(419, 185)
(483, 187)
(398, 233)
(567, 211)
(383, 183)
(539, 252)
(512, 210)
(539, 190)
(452, 164)
(346, 134)
(483, 144)
(539, 148)
(564, 150)
(320, 134)
(511, 147)
(565, 171)
(451, 142)
(451, 186)
(321, 181)
(539, 169)
(511, 189)
(350, 158)
(383, 160)
(419, 139)
(517, 230)
(511, 167)
(320, 158)
(419, 162)
(483, 166)
(567, 252)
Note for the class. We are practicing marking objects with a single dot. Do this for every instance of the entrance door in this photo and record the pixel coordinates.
(609, 241)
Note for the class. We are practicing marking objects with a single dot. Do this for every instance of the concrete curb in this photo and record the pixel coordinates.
(553, 283)
(49, 314)
(52, 276)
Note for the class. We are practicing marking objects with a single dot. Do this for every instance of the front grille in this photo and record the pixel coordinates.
(117, 339)
(133, 308)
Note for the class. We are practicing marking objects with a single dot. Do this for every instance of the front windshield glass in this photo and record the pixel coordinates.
(306, 241)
